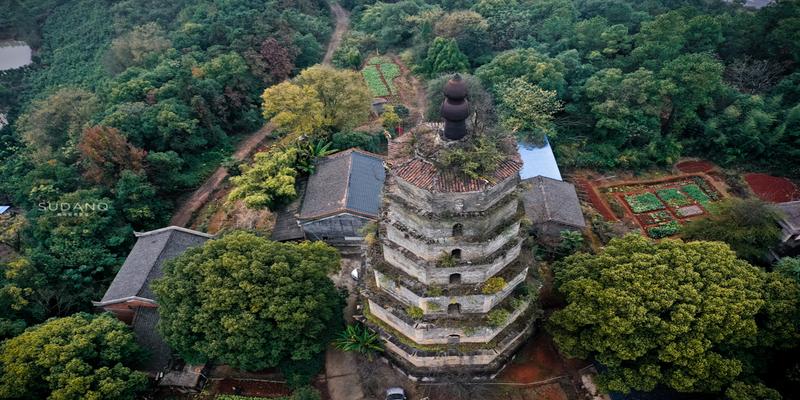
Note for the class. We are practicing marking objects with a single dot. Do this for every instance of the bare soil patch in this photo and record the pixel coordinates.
(773, 189)
(694, 166)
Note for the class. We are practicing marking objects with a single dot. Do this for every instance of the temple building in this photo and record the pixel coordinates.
(450, 288)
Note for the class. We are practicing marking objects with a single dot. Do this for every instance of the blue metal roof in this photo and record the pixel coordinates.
(538, 161)
(366, 183)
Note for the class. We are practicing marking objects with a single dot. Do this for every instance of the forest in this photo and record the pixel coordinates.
(130, 104)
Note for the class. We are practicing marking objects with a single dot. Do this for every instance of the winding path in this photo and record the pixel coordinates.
(184, 213)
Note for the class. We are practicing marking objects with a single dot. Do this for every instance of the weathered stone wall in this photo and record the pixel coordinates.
(445, 245)
(454, 201)
(443, 226)
(430, 274)
(437, 305)
(424, 333)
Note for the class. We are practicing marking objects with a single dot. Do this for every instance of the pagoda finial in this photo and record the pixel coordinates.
(455, 108)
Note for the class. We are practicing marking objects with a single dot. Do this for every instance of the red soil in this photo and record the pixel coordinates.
(692, 167)
(253, 388)
(537, 361)
(596, 200)
(772, 188)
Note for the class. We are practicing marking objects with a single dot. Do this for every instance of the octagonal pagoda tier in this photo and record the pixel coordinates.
(449, 286)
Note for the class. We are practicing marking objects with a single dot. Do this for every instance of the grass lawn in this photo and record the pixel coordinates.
(644, 202)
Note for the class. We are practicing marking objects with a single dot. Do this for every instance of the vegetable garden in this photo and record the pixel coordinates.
(379, 74)
(660, 207)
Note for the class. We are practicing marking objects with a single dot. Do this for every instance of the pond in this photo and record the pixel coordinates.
(14, 54)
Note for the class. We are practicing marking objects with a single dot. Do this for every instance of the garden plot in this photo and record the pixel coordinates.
(379, 74)
(660, 207)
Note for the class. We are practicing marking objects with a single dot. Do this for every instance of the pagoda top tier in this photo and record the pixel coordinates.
(413, 157)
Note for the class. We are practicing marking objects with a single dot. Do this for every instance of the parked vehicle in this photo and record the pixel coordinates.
(396, 393)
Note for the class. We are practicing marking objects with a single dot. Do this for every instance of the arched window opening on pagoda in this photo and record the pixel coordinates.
(458, 230)
(456, 253)
(454, 309)
(455, 279)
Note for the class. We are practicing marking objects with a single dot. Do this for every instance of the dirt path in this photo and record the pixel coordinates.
(342, 23)
(199, 197)
(184, 213)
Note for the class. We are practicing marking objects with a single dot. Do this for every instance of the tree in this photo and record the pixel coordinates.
(789, 266)
(137, 46)
(52, 127)
(213, 305)
(744, 391)
(389, 119)
(444, 57)
(277, 60)
(749, 226)
(293, 108)
(547, 73)
(469, 29)
(659, 313)
(268, 181)
(697, 78)
(105, 153)
(136, 198)
(527, 110)
(77, 357)
(346, 100)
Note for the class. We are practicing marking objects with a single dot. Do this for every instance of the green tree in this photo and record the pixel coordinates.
(444, 57)
(659, 313)
(53, 126)
(529, 64)
(527, 110)
(213, 305)
(789, 266)
(345, 98)
(697, 79)
(268, 181)
(749, 226)
(78, 357)
(745, 391)
(137, 46)
(469, 29)
(293, 109)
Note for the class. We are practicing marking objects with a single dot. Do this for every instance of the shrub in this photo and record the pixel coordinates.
(498, 317)
(493, 285)
(415, 312)
(357, 338)
(299, 373)
(446, 261)
(434, 291)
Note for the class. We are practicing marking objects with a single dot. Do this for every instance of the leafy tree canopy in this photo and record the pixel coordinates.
(213, 305)
(666, 313)
(78, 357)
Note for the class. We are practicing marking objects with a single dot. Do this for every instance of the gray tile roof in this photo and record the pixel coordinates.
(791, 215)
(550, 200)
(147, 336)
(143, 264)
(286, 225)
(348, 181)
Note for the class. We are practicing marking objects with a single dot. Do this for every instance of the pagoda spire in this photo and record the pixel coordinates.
(455, 108)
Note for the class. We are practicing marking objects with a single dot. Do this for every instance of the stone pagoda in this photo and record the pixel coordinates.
(448, 288)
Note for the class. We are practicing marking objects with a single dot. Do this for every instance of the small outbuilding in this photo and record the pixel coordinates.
(790, 224)
(130, 298)
(343, 194)
(552, 206)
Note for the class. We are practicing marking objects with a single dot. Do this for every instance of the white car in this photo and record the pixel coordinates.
(396, 393)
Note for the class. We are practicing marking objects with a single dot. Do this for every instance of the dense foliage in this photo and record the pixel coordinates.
(750, 227)
(681, 315)
(213, 304)
(642, 82)
(75, 357)
(128, 104)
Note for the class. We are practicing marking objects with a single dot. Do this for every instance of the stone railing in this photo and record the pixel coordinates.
(437, 305)
(428, 334)
(430, 274)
